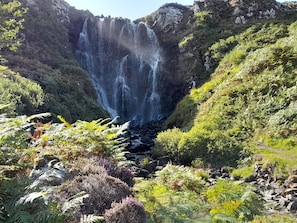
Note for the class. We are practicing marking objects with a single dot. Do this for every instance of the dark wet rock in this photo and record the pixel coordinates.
(278, 194)
(250, 179)
(141, 141)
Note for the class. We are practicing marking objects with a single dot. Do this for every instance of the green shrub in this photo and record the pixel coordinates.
(237, 56)
(222, 47)
(174, 195)
(166, 205)
(69, 93)
(211, 145)
(230, 200)
(274, 218)
(243, 172)
(23, 96)
(82, 139)
(166, 144)
(182, 178)
(11, 23)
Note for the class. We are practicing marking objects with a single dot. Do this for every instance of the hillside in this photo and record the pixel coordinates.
(45, 57)
(248, 103)
(219, 76)
(249, 98)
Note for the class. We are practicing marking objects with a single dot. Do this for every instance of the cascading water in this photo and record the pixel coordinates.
(123, 60)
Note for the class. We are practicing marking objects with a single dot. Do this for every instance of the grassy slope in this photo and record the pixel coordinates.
(250, 97)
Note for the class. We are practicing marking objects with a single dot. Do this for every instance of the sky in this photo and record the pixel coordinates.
(131, 9)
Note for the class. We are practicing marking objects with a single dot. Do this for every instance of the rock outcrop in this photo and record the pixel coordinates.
(62, 9)
(168, 17)
(240, 11)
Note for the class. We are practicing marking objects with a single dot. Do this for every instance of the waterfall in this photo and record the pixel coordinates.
(123, 61)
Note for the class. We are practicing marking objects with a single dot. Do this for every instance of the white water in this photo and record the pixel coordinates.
(123, 60)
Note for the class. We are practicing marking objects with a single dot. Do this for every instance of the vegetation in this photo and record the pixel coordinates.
(55, 167)
(54, 192)
(11, 22)
(46, 58)
(22, 95)
(182, 194)
(248, 105)
(128, 207)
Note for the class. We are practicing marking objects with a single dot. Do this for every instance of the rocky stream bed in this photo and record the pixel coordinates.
(279, 195)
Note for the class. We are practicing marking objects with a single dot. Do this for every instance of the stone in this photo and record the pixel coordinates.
(283, 201)
(62, 9)
(168, 17)
(250, 179)
(291, 179)
(294, 185)
(292, 206)
(292, 191)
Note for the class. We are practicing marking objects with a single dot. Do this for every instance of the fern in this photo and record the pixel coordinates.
(4, 106)
(99, 137)
(74, 202)
(16, 207)
(166, 205)
(222, 217)
(48, 216)
(67, 124)
(29, 198)
(91, 219)
(18, 216)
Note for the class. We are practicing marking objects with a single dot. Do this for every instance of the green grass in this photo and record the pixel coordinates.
(250, 101)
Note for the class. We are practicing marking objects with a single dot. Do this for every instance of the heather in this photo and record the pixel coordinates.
(229, 143)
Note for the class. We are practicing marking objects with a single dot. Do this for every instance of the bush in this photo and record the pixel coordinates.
(123, 173)
(129, 210)
(230, 200)
(166, 205)
(96, 138)
(166, 144)
(12, 211)
(212, 146)
(23, 96)
(182, 178)
(101, 191)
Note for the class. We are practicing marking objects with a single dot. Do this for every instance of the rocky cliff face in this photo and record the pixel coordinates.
(233, 8)
(170, 22)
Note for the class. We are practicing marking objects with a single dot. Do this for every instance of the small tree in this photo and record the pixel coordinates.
(11, 22)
